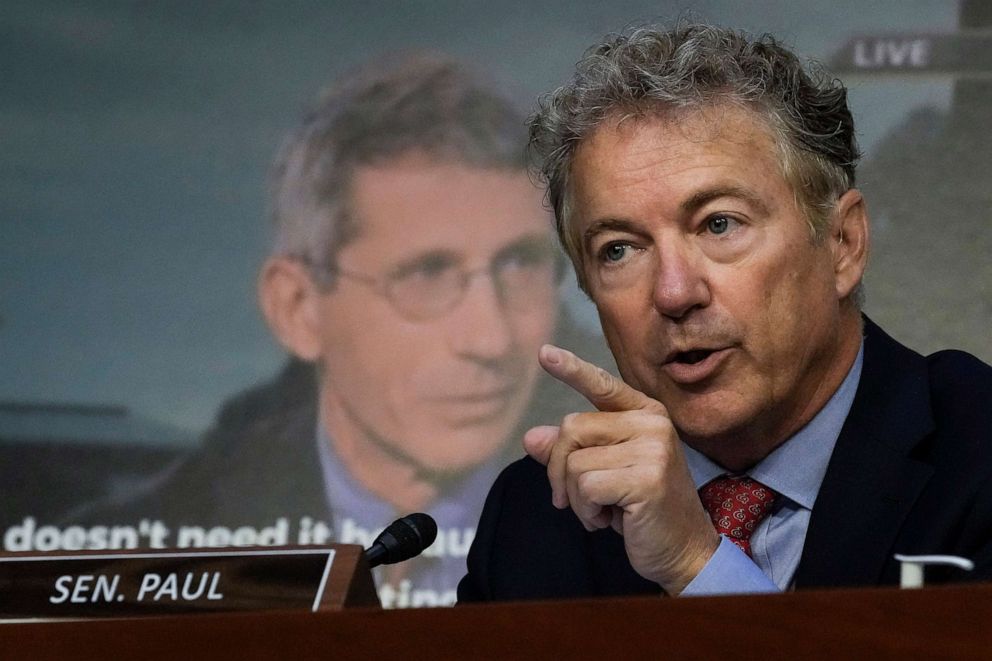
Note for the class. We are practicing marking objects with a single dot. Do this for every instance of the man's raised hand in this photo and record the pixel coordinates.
(623, 466)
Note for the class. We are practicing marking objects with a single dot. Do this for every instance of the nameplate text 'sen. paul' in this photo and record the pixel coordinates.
(167, 582)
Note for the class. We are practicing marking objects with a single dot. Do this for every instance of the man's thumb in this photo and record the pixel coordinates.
(538, 442)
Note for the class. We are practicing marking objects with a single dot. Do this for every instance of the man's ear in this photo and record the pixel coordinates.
(849, 241)
(290, 301)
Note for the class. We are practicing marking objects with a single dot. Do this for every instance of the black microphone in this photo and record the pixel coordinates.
(403, 539)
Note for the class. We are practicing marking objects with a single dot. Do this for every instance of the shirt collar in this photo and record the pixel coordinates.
(796, 468)
(347, 497)
(458, 504)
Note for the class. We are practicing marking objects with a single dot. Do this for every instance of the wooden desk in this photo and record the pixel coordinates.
(937, 623)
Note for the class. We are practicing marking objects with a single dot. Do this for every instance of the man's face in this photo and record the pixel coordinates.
(442, 389)
(711, 293)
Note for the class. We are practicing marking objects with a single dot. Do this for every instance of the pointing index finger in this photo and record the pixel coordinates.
(603, 390)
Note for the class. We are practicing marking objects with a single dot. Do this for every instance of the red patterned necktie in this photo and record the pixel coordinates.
(737, 504)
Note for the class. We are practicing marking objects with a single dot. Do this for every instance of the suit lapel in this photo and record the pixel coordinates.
(871, 481)
(276, 471)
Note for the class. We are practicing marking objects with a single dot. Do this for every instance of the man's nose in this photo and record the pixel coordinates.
(481, 324)
(680, 282)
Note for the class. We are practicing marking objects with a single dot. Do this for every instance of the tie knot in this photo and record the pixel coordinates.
(736, 505)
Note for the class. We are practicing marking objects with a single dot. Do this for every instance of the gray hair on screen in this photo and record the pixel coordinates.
(407, 103)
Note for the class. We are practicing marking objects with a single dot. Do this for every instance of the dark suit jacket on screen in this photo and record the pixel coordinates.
(910, 473)
(258, 462)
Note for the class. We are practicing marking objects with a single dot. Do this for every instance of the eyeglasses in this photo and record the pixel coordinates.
(526, 276)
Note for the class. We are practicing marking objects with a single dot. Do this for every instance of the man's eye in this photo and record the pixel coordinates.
(720, 224)
(429, 268)
(432, 269)
(525, 256)
(614, 252)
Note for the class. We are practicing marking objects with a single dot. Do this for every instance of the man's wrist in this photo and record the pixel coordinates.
(729, 571)
(696, 557)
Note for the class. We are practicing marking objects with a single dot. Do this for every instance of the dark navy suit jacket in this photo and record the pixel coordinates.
(911, 473)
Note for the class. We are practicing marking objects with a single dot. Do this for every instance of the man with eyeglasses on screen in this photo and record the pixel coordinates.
(415, 267)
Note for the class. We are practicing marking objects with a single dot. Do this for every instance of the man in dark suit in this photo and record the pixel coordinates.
(765, 435)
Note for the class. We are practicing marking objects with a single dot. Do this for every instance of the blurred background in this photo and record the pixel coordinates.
(135, 139)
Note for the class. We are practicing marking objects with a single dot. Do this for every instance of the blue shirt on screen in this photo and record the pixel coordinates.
(358, 515)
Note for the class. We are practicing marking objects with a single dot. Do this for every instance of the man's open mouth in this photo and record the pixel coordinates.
(692, 357)
(695, 365)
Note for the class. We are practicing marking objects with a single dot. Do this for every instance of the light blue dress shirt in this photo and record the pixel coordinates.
(795, 470)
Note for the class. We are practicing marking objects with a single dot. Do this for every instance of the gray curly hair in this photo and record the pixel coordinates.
(407, 102)
(650, 70)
